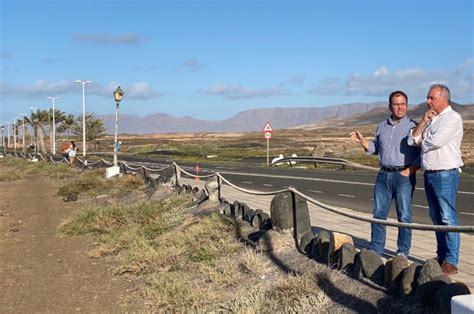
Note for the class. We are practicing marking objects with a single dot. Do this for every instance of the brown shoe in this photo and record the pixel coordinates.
(449, 269)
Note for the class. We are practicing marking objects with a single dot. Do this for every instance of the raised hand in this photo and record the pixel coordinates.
(429, 115)
(356, 137)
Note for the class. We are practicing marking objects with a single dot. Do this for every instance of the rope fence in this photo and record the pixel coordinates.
(221, 179)
(340, 211)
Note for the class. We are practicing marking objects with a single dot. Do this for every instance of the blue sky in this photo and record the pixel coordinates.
(212, 59)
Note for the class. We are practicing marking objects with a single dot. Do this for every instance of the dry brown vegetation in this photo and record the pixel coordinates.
(184, 261)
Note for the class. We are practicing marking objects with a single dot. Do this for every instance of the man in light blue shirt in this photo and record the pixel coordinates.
(396, 178)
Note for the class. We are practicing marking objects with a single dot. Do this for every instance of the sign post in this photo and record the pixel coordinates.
(267, 134)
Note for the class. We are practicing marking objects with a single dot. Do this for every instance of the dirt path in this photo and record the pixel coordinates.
(41, 272)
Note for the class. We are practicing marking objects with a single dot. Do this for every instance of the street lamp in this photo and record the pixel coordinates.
(3, 139)
(118, 95)
(54, 125)
(83, 115)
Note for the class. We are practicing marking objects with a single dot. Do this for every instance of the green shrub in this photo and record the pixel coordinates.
(88, 181)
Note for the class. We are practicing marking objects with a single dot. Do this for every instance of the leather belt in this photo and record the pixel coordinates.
(393, 169)
(440, 170)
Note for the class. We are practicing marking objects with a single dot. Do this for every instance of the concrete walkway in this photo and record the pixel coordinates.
(423, 242)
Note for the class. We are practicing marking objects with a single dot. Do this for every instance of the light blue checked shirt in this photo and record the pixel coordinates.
(391, 143)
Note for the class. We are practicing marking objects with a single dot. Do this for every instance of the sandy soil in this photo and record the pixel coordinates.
(41, 272)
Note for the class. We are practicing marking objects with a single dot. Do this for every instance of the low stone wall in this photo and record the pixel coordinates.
(289, 224)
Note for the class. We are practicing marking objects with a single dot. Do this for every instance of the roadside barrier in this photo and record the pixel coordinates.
(340, 211)
(151, 174)
(327, 160)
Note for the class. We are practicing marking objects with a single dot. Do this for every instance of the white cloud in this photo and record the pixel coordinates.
(106, 39)
(381, 71)
(414, 81)
(239, 91)
(43, 88)
(137, 90)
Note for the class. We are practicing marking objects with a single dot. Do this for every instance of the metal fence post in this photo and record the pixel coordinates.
(219, 184)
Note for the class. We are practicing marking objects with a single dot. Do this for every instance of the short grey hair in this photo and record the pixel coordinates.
(444, 90)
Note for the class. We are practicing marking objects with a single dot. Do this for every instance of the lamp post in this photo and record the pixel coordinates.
(118, 95)
(3, 139)
(83, 115)
(54, 125)
(14, 134)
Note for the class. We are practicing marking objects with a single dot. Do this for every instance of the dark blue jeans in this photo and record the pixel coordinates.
(389, 186)
(441, 189)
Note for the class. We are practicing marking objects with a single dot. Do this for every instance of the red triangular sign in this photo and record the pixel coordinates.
(267, 128)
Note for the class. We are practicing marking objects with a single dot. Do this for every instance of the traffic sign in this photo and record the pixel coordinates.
(267, 135)
(267, 128)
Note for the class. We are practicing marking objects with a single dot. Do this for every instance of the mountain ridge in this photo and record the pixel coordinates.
(379, 114)
(248, 120)
(350, 114)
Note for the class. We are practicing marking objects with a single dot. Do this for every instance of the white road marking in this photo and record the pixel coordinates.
(247, 182)
(346, 195)
(314, 191)
(313, 179)
(293, 177)
(421, 206)
(265, 184)
(464, 192)
(464, 213)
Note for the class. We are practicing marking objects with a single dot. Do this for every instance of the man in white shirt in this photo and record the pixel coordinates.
(439, 134)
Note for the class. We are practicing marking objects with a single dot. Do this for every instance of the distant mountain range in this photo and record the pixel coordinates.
(378, 114)
(254, 120)
(250, 120)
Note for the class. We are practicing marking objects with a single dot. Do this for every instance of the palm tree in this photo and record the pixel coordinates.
(94, 127)
(38, 120)
(19, 123)
(67, 124)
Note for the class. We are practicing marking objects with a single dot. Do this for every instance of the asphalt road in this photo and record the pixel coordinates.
(350, 189)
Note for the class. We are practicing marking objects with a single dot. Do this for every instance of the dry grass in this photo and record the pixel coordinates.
(12, 175)
(196, 264)
(190, 263)
(253, 263)
(12, 169)
(93, 183)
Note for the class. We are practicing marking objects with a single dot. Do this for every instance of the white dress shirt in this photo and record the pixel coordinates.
(441, 141)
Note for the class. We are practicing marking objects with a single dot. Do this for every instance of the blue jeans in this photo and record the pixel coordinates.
(389, 186)
(441, 189)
